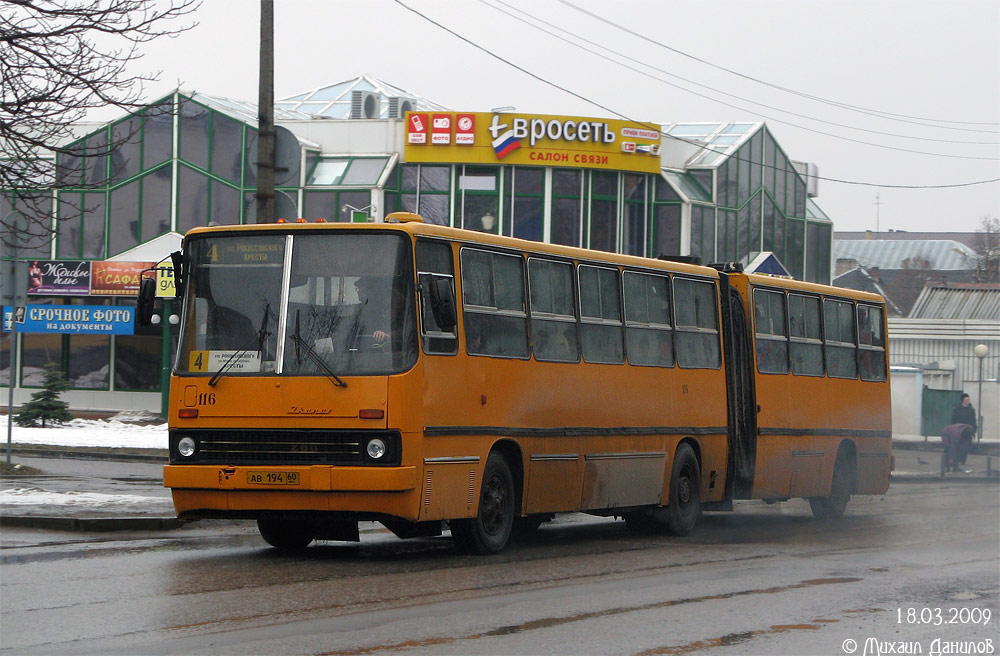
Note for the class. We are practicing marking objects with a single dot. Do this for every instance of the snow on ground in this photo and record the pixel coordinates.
(32, 496)
(84, 432)
(90, 432)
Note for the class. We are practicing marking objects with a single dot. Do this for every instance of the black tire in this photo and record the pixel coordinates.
(833, 506)
(286, 534)
(682, 515)
(490, 530)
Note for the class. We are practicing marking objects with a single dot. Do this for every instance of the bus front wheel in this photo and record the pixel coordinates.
(833, 506)
(489, 531)
(286, 534)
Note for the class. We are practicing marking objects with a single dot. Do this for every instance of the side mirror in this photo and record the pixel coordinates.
(177, 259)
(443, 303)
(144, 306)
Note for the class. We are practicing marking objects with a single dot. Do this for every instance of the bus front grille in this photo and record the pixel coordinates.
(284, 447)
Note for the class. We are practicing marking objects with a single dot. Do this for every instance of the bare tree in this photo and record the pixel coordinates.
(58, 60)
(988, 249)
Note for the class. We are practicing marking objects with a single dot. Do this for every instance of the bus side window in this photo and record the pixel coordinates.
(806, 348)
(771, 331)
(553, 312)
(493, 301)
(601, 315)
(871, 343)
(434, 264)
(648, 334)
(696, 323)
(839, 348)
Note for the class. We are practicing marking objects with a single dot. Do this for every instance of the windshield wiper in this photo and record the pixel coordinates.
(260, 337)
(313, 355)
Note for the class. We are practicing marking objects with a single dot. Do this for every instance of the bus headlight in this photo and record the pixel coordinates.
(186, 447)
(376, 448)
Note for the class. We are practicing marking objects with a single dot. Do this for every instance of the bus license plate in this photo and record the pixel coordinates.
(272, 478)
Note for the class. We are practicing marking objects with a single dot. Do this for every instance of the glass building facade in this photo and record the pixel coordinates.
(188, 160)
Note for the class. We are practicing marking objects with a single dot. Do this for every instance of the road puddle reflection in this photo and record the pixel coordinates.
(729, 640)
(544, 623)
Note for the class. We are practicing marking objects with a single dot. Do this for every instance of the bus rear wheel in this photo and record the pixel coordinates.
(489, 531)
(286, 534)
(682, 515)
(684, 511)
(833, 506)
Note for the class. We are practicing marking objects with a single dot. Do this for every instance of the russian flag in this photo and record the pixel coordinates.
(505, 144)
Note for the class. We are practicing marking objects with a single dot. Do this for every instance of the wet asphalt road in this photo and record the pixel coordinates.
(762, 580)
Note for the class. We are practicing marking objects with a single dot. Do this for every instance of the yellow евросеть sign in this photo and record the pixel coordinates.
(532, 140)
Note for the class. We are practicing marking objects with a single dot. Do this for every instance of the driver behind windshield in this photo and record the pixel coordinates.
(375, 319)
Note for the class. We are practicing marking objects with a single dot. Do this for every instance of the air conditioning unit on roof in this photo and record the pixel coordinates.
(810, 172)
(399, 105)
(365, 104)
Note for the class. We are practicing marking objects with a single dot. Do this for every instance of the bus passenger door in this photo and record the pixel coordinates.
(740, 391)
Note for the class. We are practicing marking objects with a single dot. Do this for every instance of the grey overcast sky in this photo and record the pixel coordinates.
(938, 62)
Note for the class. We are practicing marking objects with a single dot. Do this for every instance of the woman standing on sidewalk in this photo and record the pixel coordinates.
(965, 413)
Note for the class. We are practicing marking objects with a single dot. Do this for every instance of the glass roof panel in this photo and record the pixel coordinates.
(726, 139)
(310, 106)
(687, 186)
(365, 171)
(328, 171)
(814, 212)
(690, 129)
(737, 128)
(709, 157)
(334, 101)
(328, 93)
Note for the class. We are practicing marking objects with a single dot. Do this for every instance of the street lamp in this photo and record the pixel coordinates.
(981, 352)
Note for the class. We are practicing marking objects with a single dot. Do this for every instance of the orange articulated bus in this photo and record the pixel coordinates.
(428, 377)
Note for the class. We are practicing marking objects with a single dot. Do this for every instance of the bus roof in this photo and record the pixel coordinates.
(467, 237)
(417, 228)
(766, 280)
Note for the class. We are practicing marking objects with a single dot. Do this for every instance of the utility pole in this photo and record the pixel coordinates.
(876, 204)
(265, 116)
(13, 293)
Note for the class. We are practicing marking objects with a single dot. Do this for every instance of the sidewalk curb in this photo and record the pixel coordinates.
(937, 478)
(92, 524)
(154, 457)
(978, 448)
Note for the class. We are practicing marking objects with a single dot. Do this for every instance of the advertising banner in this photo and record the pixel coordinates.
(441, 129)
(416, 128)
(75, 319)
(533, 140)
(165, 286)
(58, 278)
(116, 278)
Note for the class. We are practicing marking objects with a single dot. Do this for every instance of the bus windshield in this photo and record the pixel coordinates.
(343, 305)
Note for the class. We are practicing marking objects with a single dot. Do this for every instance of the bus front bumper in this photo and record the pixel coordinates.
(241, 491)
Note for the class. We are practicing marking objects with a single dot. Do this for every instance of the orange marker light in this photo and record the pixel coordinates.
(372, 413)
(187, 413)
